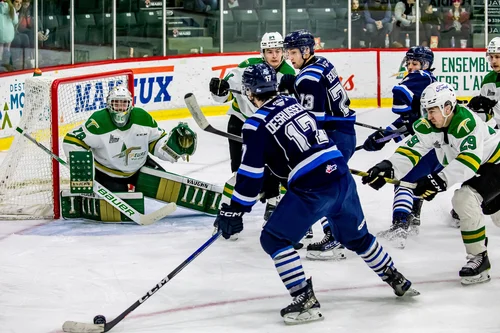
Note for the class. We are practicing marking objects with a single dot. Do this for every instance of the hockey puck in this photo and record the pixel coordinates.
(99, 319)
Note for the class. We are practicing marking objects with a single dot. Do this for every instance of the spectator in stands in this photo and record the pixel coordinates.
(456, 24)
(431, 24)
(405, 13)
(205, 5)
(358, 30)
(378, 19)
(232, 3)
(8, 22)
(21, 42)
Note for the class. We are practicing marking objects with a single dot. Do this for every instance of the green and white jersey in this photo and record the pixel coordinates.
(490, 88)
(118, 151)
(241, 106)
(462, 147)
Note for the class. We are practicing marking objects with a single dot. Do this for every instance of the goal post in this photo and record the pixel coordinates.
(30, 180)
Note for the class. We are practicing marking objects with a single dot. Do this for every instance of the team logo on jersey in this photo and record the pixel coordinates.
(128, 154)
(463, 124)
(113, 139)
(490, 93)
(436, 144)
(92, 122)
(331, 168)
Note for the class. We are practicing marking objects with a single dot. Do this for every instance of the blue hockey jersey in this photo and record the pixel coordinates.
(320, 91)
(406, 99)
(283, 136)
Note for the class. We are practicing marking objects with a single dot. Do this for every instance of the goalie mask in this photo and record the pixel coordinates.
(119, 103)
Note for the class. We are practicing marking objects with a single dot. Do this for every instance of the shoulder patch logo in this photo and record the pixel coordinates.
(422, 121)
(490, 93)
(463, 124)
(436, 144)
(92, 122)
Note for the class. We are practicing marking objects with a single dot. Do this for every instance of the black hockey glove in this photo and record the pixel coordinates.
(218, 86)
(481, 104)
(371, 143)
(377, 173)
(229, 221)
(429, 186)
(287, 84)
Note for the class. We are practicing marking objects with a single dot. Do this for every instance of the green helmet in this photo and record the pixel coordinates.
(119, 103)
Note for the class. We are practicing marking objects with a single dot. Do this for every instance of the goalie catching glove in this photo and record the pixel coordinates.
(181, 142)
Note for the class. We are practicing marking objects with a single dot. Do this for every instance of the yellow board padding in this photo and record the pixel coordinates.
(168, 190)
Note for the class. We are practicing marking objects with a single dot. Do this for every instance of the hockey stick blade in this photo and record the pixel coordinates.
(202, 121)
(76, 327)
(158, 214)
(388, 180)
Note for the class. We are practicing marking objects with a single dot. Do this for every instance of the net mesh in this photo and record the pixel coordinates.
(27, 174)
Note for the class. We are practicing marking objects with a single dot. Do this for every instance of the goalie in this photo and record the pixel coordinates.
(121, 137)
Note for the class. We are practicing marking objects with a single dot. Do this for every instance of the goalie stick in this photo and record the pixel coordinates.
(202, 121)
(77, 327)
(109, 196)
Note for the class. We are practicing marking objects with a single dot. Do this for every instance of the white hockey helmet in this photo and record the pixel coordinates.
(271, 40)
(493, 46)
(438, 94)
(119, 103)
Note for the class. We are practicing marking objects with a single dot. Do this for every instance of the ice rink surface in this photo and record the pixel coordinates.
(53, 271)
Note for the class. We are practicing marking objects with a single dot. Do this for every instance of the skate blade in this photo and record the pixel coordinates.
(326, 255)
(296, 318)
(414, 231)
(480, 278)
(411, 292)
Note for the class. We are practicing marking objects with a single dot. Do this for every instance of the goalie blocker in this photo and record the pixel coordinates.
(161, 185)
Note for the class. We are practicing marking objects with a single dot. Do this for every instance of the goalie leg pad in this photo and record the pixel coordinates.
(183, 191)
(91, 207)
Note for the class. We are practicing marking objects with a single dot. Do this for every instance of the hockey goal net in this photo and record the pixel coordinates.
(30, 180)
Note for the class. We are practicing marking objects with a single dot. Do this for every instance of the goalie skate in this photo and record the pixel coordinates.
(476, 270)
(396, 235)
(304, 308)
(326, 249)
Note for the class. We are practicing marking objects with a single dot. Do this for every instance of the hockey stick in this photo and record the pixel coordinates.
(384, 139)
(109, 196)
(76, 327)
(202, 121)
(388, 180)
(399, 130)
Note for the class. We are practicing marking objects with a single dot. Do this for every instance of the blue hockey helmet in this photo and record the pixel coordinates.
(422, 54)
(259, 79)
(299, 39)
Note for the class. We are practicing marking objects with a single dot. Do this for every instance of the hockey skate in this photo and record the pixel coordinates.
(400, 285)
(304, 307)
(476, 270)
(305, 241)
(396, 234)
(326, 249)
(455, 223)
